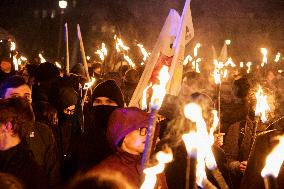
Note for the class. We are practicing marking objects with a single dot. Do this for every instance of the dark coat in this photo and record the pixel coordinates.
(263, 146)
(237, 146)
(19, 162)
(130, 167)
(43, 146)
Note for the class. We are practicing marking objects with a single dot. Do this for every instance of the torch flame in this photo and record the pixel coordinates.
(58, 65)
(143, 51)
(89, 84)
(187, 59)
(197, 65)
(241, 64)
(277, 57)
(261, 106)
(102, 52)
(264, 59)
(151, 172)
(228, 42)
(159, 91)
(197, 46)
(120, 45)
(249, 66)
(199, 140)
(13, 46)
(274, 160)
(144, 98)
(217, 77)
(42, 60)
(130, 62)
(15, 62)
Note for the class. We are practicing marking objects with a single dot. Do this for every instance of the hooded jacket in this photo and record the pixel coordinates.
(122, 122)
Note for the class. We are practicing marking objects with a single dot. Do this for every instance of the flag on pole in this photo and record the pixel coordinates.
(161, 55)
(184, 34)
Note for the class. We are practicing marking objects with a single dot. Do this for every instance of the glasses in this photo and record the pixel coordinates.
(143, 131)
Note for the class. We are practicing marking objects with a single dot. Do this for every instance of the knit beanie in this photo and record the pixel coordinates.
(110, 90)
(123, 121)
(46, 72)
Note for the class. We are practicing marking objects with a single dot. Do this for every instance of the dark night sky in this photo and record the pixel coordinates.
(249, 23)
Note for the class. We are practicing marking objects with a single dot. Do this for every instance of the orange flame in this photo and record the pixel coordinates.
(274, 160)
(151, 172)
(261, 106)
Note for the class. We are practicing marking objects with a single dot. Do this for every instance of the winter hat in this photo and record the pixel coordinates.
(46, 72)
(123, 121)
(110, 90)
(132, 76)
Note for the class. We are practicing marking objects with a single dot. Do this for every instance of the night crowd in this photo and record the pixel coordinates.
(56, 134)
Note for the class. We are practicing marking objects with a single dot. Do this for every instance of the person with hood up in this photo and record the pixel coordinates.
(126, 134)
(92, 147)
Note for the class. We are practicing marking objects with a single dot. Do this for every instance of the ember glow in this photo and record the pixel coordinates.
(261, 105)
(274, 160)
(152, 172)
(89, 84)
(144, 98)
(159, 90)
(264, 59)
(42, 60)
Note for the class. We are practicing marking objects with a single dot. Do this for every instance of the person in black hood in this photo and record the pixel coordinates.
(66, 101)
(92, 147)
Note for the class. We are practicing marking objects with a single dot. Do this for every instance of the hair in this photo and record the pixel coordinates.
(8, 181)
(101, 179)
(19, 112)
(44, 112)
(11, 82)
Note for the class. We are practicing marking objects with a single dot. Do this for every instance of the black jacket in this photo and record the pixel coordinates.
(43, 146)
(19, 162)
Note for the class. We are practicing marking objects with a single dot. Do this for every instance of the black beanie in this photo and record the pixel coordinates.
(46, 72)
(109, 89)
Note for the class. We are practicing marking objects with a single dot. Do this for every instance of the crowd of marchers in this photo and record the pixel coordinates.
(56, 134)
